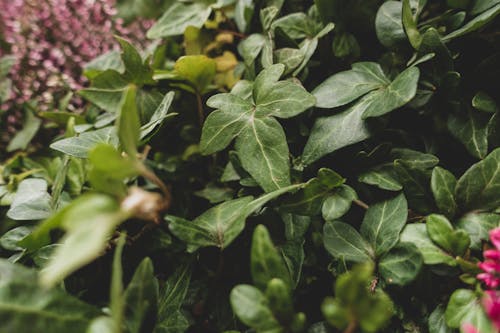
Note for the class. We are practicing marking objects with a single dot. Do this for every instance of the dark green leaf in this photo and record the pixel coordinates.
(443, 185)
(401, 265)
(339, 203)
(344, 242)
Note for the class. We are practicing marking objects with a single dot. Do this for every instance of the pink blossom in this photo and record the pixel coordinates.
(491, 304)
(468, 328)
(491, 264)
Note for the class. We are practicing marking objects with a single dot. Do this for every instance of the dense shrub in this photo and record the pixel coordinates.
(252, 166)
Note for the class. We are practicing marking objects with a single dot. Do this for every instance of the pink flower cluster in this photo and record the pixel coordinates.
(491, 279)
(53, 39)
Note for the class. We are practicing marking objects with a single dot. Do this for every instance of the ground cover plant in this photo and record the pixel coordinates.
(262, 166)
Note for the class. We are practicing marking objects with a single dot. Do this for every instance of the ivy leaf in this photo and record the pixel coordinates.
(309, 200)
(106, 90)
(265, 261)
(221, 224)
(471, 131)
(260, 139)
(344, 242)
(339, 203)
(26, 307)
(252, 308)
(128, 123)
(432, 254)
(401, 264)
(10, 239)
(443, 185)
(478, 187)
(198, 70)
(465, 307)
(79, 146)
(141, 299)
(178, 17)
(383, 223)
(441, 232)
(135, 70)
(31, 201)
(478, 225)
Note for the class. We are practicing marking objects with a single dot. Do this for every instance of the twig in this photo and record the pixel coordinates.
(361, 204)
(167, 196)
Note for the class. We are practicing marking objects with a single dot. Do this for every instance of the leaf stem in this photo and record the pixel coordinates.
(148, 174)
(361, 204)
(201, 115)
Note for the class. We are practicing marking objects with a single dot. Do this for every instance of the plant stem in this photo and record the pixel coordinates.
(148, 174)
(361, 204)
(351, 328)
(201, 115)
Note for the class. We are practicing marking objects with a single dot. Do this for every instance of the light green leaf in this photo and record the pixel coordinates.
(106, 159)
(250, 47)
(31, 201)
(383, 223)
(410, 25)
(308, 200)
(79, 146)
(478, 187)
(401, 264)
(339, 203)
(441, 232)
(389, 24)
(476, 23)
(159, 116)
(252, 308)
(89, 223)
(465, 307)
(344, 87)
(178, 17)
(106, 90)
(265, 261)
(443, 185)
(344, 242)
(471, 131)
(478, 225)
(416, 233)
(383, 176)
(128, 123)
(263, 151)
(26, 307)
(109, 60)
(141, 299)
(483, 102)
(10, 239)
(198, 70)
(23, 137)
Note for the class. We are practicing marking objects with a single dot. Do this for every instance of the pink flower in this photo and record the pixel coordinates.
(491, 265)
(468, 328)
(491, 304)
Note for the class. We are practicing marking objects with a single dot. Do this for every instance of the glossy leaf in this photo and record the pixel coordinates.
(465, 307)
(344, 242)
(401, 265)
(443, 185)
(339, 203)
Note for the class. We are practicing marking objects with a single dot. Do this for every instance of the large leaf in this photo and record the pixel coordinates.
(443, 185)
(31, 201)
(383, 223)
(471, 131)
(178, 17)
(465, 307)
(79, 146)
(478, 188)
(389, 24)
(26, 307)
(344, 242)
(141, 299)
(401, 265)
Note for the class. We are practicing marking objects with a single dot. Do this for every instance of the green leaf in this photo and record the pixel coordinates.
(443, 185)
(117, 302)
(344, 242)
(309, 200)
(432, 254)
(483, 102)
(293, 255)
(159, 116)
(89, 223)
(471, 131)
(31, 125)
(10, 239)
(410, 25)
(414, 158)
(107, 61)
(31, 201)
(339, 203)
(383, 176)
(477, 225)
(79, 146)
(263, 151)
(178, 17)
(280, 300)
(26, 307)
(250, 48)
(465, 307)
(135, 70)
(389, 24)
(476, 23)
(441, 232)
(106, 90)
(401, 264)
(383, 223)
(141, 299)
(478, 187)
(198, 70)
(265, 261)
(221, 224)
(252, 308)
(128, 123)
(437, 321)
(106, 159)
(344, 87)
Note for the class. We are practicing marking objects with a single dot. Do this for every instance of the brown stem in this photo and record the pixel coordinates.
(201, 115)
(234, 33)
(361, 204)
(167, 196)
(351, 328)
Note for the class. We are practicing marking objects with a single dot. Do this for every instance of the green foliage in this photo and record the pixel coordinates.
(253, 154)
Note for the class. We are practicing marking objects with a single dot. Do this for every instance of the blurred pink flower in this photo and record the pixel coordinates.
(468, 328)
(53, 39)
(491, 304)
(491, 264)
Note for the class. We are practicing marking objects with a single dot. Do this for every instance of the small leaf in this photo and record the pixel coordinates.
(135, 70)
(441, 232)
(410, 25)
(23, 137)
(265, 261)
(31, 201)
(159, 116)
(465, 307)
(10, 239)
(128, 123)
(471, 131)
(383, 223)
(443, 185)
(79, 146)
(384, 177)
(475, 24)
(339, 203)
(401, 264)
(344, 242)
(198, 70)
(483, 102)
